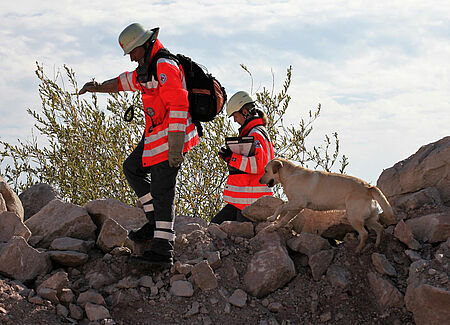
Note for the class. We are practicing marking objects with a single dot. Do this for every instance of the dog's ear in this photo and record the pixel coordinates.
(277, 164)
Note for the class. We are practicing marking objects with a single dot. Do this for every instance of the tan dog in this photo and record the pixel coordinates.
(318, 190)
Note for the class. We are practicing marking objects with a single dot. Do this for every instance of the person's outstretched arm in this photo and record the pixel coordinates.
(108, 86)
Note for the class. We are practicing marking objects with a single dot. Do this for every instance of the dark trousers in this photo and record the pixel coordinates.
(229, 213)
(159, 180)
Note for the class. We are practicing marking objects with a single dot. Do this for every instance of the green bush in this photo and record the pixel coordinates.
(84, 147)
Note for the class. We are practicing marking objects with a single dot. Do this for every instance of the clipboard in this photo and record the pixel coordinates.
(241, 145)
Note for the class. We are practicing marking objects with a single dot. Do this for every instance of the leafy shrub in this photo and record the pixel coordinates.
(86, 145)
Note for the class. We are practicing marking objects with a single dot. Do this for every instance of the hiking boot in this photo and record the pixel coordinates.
(153, 258)
(143, 234)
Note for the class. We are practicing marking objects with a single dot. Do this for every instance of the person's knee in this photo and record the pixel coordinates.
(126, 168)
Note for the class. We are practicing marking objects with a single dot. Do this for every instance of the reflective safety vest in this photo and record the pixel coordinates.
(166, 104)
(243, 189)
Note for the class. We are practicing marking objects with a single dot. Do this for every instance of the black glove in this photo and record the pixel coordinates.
(225, 153)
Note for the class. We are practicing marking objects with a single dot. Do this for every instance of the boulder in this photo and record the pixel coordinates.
(403, 233)
(238, 298)
(70, 244)
(68, 258)
(339, 276)
(266, 238)
(269, 269)
(204, 276)
(96, 312)
(329, 224)
(10, 199)
(238, 229)
(90, 296)
(433, 228)
(12, 225)
(382, 265)
(128, 217)
(112, 235)
(429, 195)
(20, 261)
(52, 287)
(319, 263)
(3, 206)
(428, 167)
(428, 300)
(308, 244)
(36, 197)
(386, 294)
(59, 219)
(182, 288)
(56, 282)
(262, 208)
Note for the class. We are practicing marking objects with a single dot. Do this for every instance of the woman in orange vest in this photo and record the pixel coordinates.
(243, 187)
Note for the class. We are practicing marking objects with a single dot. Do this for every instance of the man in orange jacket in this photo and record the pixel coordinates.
(152, 168)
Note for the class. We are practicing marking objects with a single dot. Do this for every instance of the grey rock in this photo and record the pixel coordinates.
(433, 228)
(10, 199)
(382, 265)
(12, 225)
(262, 208)
(69, 244)
(238, 298)
(204, 276)
(428, 167)
(386, 294)
(308, 244)
(111, 235)
(181, 288)
(128, 217)
(36, 197)
(59, 219)
(238, 229)
(269, 269)
(68, 258)
(319, 263)
(16, 254)
(96, 312)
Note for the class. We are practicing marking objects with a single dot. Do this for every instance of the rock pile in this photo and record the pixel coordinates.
(71, 263)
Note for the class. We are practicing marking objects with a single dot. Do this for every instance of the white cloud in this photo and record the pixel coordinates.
(379, 69)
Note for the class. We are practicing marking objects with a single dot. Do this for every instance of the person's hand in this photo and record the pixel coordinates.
(90, 86)
(176, 143)
(225, 153)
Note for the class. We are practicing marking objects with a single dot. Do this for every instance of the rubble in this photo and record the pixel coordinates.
(75, 267)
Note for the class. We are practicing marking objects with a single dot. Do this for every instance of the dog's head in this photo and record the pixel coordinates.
(271, 175)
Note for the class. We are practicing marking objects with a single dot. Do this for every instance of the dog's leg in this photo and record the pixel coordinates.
(373, 224)
(358, 224)
(287, 211)
(285, 217)
(277, 212)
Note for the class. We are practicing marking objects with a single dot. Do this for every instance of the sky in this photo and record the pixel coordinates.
(379, 69)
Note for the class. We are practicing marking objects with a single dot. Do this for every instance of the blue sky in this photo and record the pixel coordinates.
(379, 69)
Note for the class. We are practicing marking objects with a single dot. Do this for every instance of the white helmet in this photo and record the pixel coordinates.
(237, 101)
(135, 35)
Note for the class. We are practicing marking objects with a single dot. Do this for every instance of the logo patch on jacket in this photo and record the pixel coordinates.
(257, 144)
(163, 78)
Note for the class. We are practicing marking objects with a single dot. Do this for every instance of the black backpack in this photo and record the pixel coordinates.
(206, 95)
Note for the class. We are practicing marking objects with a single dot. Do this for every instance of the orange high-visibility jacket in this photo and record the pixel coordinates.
(243, 189)
(167, 99)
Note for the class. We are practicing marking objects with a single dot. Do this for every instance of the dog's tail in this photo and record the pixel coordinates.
(387, 217)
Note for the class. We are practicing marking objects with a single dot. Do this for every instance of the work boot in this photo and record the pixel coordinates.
(143, 234)
(155, 259)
